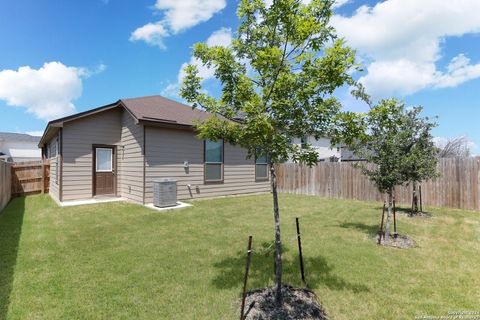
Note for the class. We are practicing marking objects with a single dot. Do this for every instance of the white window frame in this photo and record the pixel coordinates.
(259, 178)
(206, 163)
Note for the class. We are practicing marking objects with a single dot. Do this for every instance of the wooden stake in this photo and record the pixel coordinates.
(381, 233)
(43, 177)
(300, 250)
(245, 278)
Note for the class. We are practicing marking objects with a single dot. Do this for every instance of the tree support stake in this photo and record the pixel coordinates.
(245, 277)
(381, 233)
(299, 240)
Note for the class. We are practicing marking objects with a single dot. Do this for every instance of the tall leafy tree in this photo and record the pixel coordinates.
(397, 146)
(420, 161)
(278, 76)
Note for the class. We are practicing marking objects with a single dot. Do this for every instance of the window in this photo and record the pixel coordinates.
(303, 142)
(56, 172)
(52, 149)
(103, 159)
(261, 167)
(214, 160)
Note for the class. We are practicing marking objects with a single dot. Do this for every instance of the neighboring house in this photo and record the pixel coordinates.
(120, 148)
(349, 155)
(325, 150)
(19, 147)
(322, 146)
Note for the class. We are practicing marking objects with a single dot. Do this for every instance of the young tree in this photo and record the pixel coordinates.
(420, 162)
(279, 75)
(399, 145)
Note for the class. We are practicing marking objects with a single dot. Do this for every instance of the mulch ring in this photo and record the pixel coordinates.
(298, 303)
(400, 241)
(419, 214)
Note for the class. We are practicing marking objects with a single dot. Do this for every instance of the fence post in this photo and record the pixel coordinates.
(245, 278)
(43, 177)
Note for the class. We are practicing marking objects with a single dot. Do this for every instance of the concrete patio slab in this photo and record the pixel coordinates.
(95, 200)
(178, 206)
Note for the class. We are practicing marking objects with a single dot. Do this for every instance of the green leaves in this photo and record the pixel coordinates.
(396, 140)
(279, 75)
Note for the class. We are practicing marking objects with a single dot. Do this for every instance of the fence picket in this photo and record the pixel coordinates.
(457, 187)
(30, 178)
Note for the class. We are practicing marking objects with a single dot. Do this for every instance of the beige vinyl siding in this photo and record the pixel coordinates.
(78, 138)
(130, 160)
(166, 151)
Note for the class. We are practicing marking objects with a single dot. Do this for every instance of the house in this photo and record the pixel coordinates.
(323, 147)
(325, 150)
(19, 147)
(349, 155)
(121, 148)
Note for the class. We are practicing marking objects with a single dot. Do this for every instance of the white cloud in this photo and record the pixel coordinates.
(221, 37)
(397, 77)
(47, 92)
(151, 33)
(403, 38)
(178, 16)
(459, 71)
(184, 14)
(171, 90)
(339, 3)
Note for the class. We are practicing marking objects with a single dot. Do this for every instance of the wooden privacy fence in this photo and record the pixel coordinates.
(5, 184)
(457, 187)
(30, 178)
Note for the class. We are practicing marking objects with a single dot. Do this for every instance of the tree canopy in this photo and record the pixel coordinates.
(279, 76)
(397, 145)
(398, 141)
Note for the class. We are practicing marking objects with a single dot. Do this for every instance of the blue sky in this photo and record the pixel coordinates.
(58, 57)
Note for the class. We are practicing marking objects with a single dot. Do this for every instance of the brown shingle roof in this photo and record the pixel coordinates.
(148, 109)
(157, 108)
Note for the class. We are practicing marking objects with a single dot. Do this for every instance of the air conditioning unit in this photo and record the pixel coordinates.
(164, 192)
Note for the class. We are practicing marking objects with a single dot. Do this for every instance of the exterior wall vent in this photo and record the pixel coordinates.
(164, 192)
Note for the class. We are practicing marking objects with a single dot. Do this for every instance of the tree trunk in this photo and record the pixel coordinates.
(415, 199)
(389, 213)
(278, 243)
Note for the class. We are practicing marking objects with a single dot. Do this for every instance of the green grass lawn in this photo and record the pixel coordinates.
(124, 261)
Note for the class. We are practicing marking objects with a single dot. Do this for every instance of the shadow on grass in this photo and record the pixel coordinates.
(11, 220)
(408, 211)
(317, 271)
(371, 230)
